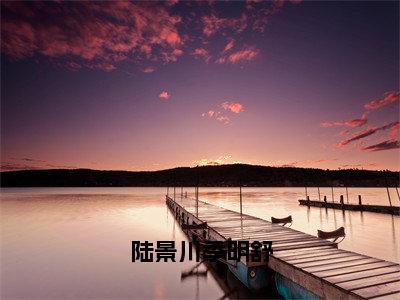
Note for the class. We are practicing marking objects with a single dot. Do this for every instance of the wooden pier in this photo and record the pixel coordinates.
(315, 264)
(392, 210)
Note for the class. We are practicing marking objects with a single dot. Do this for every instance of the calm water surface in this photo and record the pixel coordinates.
(76, 242)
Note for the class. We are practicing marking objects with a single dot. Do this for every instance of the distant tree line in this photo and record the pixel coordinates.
(219, 176)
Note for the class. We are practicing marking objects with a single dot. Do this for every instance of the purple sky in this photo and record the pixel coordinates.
(147, 85)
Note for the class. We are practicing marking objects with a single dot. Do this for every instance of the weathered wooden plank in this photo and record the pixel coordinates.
(363, 274)
(313, 254)
(289, 253)
(300, 246)
(378, 290)
(352, 269)
(322, 257)
(328, 262)
(279, 240)
(322, 242)
(369, 282)
(395, 296)
(279, 237)
(342, 265)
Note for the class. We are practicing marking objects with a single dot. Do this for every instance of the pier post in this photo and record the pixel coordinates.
(308, 201)
(306, 192)
(174, 193)
(390, 200)
(181, 192)
(347, 195)
(333, 198)
(319, 195)
(197, 201)
(342, 201)
(359, 200)
(240, 190)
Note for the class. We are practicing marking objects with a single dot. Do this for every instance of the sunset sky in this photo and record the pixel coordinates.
(154, 85)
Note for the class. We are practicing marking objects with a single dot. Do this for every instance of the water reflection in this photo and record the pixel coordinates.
(231, 287)
(76, 242)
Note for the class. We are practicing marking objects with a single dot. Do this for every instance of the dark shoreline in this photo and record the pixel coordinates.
(206, 176)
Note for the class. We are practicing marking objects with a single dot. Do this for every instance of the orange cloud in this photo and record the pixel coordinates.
(164, 95)
(388, 98)
(235, 107)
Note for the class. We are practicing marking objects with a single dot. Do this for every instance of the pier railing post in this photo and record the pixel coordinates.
(347, 195)
(197, 201)
(174, 193)
(240, 190)
(390, 200)
(333, 198)
(359, 200)
(342, 201)
(319, 195)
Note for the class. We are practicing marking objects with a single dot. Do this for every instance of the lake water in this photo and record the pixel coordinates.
(76, 242)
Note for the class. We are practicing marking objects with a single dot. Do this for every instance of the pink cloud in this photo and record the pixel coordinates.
(235, 107)
(247, 53)
(92, 34)
(261, 14)
(103, 35)
(164, 95)
(223, 119)
(386, 145)
(228, 46)
(202, 53)
(211, 114)
(351, 123)
(343, 132)
(149, 69)
(388, 98)
(212, 24)
(368, 132)
(394, 131)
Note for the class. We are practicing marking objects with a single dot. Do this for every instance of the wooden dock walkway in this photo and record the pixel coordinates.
(392, 210)
(313, 263)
